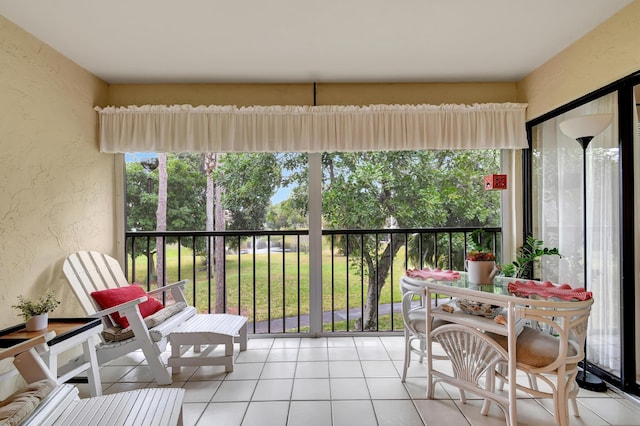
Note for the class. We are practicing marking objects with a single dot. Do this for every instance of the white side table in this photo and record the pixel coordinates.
(63, 334)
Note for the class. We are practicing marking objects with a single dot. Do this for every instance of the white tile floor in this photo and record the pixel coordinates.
(340, 381)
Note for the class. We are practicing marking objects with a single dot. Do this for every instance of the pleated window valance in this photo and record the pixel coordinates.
(182, 128)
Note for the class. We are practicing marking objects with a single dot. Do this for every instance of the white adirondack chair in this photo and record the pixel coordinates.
(89, 271)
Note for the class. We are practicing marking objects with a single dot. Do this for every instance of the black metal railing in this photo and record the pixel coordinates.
(264, 275)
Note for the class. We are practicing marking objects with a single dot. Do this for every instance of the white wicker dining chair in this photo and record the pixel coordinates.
(414, 317)
(473, 356)
(549, 350)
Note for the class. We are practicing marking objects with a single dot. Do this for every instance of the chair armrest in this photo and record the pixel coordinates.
(118, 308)
(180, 284)
(27, 361)
(177, 290)
(22, 347)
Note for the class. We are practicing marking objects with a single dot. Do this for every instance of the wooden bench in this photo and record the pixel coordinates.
(210, 330)
(43, 402)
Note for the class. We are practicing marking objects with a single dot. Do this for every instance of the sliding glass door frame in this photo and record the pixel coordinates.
(626, 108)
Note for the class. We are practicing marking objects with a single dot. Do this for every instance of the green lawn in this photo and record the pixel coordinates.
(276, 289)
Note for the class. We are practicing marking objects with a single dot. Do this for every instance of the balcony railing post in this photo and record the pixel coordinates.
(315, 245)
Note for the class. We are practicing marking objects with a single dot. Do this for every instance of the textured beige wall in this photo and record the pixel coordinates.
(302, 94)
(56, 189)
(210, 94)
(609, 52)
(415, 93)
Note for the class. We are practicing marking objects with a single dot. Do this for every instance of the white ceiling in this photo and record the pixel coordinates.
(290, 41)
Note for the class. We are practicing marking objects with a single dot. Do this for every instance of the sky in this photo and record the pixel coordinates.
(130, 157)
(281, 195)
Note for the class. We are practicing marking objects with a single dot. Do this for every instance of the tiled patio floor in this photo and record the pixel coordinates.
(340, 381)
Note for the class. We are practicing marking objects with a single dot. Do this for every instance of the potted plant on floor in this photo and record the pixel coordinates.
(36, 314)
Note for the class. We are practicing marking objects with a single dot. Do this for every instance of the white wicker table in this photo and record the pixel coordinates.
(568, 318)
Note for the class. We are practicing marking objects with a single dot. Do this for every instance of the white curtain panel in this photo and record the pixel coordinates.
(180, 128)
(558, 213)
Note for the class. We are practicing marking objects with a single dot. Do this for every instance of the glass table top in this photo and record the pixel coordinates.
(526, 289)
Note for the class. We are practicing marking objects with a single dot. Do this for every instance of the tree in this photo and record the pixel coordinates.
(285, 215)
(418, 189)
(185, 199)
(186, 194)
(141, 204)
(214, 203)
(253, 179)
(194, 199)
(360, 191)
(161, 218)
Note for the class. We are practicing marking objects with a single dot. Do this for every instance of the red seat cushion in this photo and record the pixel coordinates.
(115, 296)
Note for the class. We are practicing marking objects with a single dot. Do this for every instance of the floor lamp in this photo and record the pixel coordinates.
(584, 129)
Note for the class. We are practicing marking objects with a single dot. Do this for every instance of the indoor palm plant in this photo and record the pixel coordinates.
(35, 313)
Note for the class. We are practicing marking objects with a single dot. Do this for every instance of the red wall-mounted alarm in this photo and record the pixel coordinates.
(495, 182)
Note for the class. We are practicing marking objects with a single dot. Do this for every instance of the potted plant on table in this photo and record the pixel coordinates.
(480, 262)
(36, 313)
(526, 258)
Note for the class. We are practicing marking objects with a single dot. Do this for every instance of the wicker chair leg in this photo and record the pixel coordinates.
(407, 355)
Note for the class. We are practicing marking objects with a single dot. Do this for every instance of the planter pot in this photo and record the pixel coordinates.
(481, 271)
(38, 322)
(537, 269)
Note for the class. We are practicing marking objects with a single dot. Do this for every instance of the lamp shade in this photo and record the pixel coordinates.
(585, 125)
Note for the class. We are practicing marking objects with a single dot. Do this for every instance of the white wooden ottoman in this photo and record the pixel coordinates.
(211, 330)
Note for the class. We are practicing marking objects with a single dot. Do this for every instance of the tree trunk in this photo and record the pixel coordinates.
(151, 266)
(216, 251)
(161, 218)
(209, 166)
(221, 290)
(370, 318)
